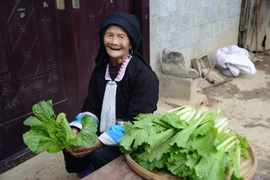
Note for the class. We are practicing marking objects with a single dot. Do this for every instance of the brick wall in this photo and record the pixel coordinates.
(192, 27)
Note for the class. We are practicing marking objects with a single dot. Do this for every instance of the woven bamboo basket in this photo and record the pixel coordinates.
(248, 169)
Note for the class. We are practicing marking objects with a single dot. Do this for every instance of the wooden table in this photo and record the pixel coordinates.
(118, 169)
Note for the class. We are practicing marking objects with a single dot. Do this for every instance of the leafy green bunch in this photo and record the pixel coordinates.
(188, 144)
(53, 133)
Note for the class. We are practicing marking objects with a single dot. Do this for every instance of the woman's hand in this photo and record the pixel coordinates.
(75, 131)
(84, 150)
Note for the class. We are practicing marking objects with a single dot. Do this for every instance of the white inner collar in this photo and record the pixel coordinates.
(121, 71)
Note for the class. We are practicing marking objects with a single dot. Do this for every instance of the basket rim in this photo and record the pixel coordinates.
(153, 176)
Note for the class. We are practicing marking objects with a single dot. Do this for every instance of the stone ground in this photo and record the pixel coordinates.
(244, 100)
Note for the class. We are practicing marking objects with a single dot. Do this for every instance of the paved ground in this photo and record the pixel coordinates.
(245, 101)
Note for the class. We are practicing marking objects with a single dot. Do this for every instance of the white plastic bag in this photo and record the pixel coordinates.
(235, 59)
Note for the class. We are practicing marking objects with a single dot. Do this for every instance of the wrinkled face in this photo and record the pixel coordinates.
(117, 44)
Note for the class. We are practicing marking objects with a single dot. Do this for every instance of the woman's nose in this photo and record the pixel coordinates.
(114, 41)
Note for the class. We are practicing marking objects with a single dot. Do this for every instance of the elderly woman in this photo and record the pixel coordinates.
(121, 87)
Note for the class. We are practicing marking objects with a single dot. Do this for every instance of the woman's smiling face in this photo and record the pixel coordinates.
(117, 44)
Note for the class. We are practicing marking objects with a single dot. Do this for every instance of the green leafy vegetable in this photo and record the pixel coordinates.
(52, 133)
(189, 144)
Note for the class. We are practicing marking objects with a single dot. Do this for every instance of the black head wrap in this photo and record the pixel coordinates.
(130, 24)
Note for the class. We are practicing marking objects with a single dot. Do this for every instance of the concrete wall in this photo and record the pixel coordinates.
(192, 27)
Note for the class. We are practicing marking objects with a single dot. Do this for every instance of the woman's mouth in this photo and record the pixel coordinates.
(115, 49)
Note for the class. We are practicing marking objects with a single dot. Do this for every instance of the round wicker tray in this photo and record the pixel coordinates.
(248, 169)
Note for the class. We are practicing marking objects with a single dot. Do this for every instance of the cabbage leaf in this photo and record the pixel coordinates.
(52, 133)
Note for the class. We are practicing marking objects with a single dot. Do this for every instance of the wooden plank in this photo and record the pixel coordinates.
(216, 84)
(115, 170)
(267, 42)
(213, 76)
(200, 63)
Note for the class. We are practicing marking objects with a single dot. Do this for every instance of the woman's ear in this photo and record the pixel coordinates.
(130, 50)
